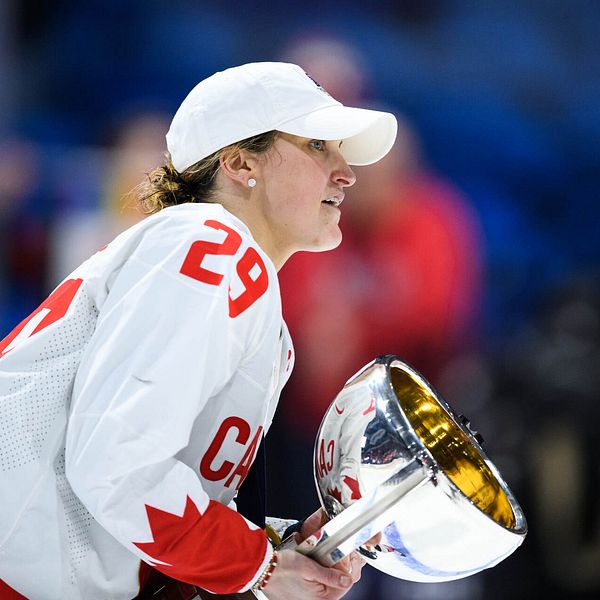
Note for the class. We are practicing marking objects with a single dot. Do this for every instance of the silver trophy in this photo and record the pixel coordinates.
(392, 457)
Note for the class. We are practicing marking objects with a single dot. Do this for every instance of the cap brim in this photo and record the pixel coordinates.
(367, 135)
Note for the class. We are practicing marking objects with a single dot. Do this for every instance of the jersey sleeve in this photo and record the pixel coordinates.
(165, 343)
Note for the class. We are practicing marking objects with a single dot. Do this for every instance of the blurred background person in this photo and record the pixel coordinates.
(406, 279)
(100, 205)
(24, 219)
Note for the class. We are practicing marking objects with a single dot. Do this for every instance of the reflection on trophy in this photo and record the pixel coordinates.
(392, 457)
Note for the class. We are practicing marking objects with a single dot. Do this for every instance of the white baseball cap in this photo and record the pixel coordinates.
(244, 101)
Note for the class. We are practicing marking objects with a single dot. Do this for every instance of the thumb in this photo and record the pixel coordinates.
(329, 577)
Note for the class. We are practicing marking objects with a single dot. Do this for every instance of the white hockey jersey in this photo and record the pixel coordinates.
(132, 402)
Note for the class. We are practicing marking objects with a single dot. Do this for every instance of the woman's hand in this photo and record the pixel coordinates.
(306, 579)
(297, 577)
(351, 564)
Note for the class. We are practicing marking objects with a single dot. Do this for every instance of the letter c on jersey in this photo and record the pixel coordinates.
(207, 465)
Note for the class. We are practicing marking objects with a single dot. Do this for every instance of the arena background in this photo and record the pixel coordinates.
(473, 251)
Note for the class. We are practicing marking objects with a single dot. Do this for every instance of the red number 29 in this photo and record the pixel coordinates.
(250, 268)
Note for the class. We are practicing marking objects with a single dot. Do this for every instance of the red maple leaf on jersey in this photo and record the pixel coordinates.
(215, 550)
(354, 487)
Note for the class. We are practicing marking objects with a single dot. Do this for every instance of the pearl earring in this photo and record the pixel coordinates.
(251, 182)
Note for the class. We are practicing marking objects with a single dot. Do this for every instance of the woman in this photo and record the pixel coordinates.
(135, 397)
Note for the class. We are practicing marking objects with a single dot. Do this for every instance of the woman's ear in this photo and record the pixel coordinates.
(238, 165)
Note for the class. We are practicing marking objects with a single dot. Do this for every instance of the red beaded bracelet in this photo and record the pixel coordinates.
(261, 582)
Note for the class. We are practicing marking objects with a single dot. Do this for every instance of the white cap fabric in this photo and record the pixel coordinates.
(244, 101)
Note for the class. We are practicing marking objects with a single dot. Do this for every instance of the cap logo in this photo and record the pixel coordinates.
(318, 84)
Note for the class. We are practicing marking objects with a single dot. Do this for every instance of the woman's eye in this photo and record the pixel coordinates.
(318, 145)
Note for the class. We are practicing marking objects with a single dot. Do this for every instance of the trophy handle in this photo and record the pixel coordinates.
(366, 517)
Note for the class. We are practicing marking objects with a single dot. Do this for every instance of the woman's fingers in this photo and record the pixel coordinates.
(297, 577)
(313, 523)
(356, 564)
(334, 578)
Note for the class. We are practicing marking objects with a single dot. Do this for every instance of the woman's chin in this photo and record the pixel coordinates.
(330, 243)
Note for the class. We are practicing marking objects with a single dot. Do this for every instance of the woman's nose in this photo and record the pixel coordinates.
(344, 176)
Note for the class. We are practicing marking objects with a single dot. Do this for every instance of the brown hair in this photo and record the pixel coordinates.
(165, 186)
